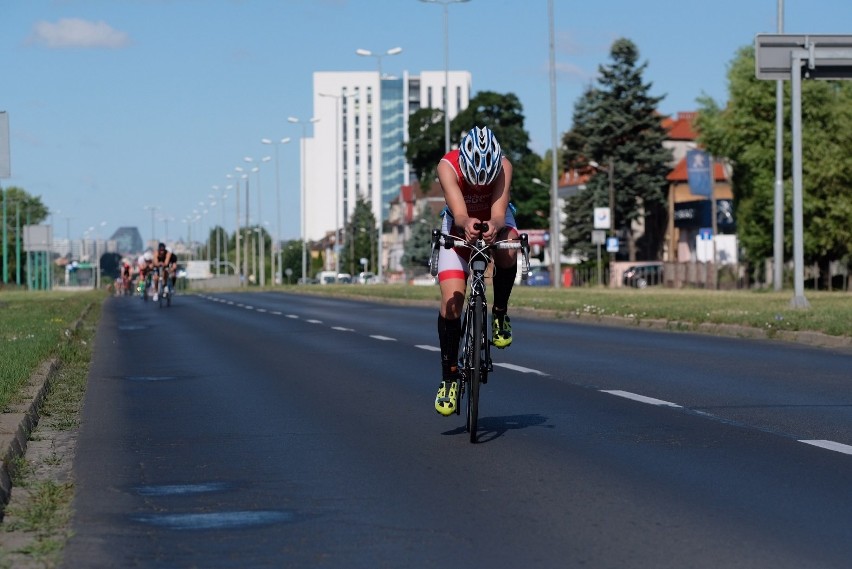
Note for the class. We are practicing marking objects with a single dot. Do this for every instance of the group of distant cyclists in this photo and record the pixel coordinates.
(144, 278)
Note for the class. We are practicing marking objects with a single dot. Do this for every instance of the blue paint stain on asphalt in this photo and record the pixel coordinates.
(181, 489)
(217, 520)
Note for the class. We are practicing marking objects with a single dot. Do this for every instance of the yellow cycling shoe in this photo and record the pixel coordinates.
(501, 331)
(445, 401)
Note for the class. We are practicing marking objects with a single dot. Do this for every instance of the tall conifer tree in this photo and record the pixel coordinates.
(618, 121)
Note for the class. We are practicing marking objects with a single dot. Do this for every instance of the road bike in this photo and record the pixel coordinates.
(164, 289)
(143, 285)
(475, 345)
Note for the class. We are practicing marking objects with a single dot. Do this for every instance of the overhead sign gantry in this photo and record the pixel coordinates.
(796, 57)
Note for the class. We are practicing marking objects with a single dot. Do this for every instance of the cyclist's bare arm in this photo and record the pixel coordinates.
(455, 200)
(499, 202)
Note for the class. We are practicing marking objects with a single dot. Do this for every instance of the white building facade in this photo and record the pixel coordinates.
(358, 144)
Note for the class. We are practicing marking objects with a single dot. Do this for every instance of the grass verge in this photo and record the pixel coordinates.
(36, 522)
(829, 313)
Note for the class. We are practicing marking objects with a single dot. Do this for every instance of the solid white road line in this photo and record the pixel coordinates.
(640, 398)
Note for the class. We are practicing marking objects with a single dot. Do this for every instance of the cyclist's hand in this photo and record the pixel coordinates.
(490, 234)
(471, 233)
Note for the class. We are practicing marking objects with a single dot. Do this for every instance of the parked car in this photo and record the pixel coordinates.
(539, 276)
(641, 276)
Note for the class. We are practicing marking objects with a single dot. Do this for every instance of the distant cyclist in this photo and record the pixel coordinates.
(165, 262)
(125, 277)
(476, 180)
(145, 265)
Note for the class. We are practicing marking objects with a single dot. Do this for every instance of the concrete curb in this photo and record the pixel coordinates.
(23, 415)
(17, 424)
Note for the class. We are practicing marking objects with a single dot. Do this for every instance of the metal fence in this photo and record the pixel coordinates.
(741, 276)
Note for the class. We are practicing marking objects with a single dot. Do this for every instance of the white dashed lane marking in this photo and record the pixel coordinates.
(640, 398)
(824, 444)
(383, 338)
(829, 445)
(520, 368)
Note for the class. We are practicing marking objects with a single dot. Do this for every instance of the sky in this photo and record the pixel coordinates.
(129, 112)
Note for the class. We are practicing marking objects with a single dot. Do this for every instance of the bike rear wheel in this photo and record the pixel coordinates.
(474, 371)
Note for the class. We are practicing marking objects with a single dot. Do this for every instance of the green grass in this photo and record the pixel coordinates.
(33, 327)
(830, 312)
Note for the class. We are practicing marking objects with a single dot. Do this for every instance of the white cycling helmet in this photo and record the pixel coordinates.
(480, 157)
(148, 256)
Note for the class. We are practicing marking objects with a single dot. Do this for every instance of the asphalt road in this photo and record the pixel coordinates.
(270, 430)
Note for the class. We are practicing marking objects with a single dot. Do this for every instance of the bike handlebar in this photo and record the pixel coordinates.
(440, 239)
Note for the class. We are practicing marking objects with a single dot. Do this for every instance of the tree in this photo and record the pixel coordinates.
(504, 115)
(291, 258)
(360, 238)
(579, 208)
(425, 146)
(743, 132)
(618, 121)
(21, 209)
(418, 247)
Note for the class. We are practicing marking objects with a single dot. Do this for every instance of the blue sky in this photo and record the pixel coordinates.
(119, 105)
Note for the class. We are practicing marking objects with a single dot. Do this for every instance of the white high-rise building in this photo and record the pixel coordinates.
(357, 148)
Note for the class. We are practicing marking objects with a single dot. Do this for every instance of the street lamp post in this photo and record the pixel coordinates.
(304, 126)
(378, 56)
(218, 231)
(446, 3)
(224, 252)
(337, 198)
(610, 172)
(381, 208)
(262, 243)
(153, 209)
(276, 249)
(245, 240)
(236, 228)
(555, 216)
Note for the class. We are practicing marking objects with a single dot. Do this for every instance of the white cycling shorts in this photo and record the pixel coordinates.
(452, 263)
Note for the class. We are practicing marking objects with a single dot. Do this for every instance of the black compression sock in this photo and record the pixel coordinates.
(504, 280)
(449, 332)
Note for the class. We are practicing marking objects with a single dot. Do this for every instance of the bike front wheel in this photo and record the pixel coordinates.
(474, 371)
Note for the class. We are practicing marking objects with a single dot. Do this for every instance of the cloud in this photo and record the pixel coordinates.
(75, 32)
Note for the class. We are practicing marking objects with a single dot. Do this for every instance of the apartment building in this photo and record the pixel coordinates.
(358, 143)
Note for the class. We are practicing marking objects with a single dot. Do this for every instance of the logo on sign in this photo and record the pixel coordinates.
(602, 216)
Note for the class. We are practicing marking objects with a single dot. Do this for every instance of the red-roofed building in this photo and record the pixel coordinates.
(689, 214)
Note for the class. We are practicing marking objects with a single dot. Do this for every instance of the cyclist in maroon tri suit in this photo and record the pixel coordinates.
(476, 180)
